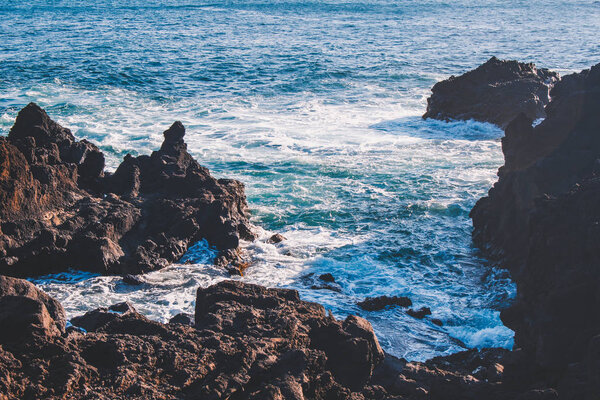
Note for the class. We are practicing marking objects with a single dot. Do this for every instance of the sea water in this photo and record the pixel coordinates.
(315, 106)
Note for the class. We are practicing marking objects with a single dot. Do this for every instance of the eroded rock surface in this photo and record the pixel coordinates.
(248, 342)
(541, 220)
(60, 210)
(495, 92)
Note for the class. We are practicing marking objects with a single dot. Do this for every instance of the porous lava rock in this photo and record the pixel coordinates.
(496, 92)
(59, 209)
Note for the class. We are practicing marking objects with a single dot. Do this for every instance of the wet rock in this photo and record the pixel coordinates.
(132, 280)
(379, 303)
(59, 210)
(316, 283)
(437, 322)
(495, 92)
(327, 278)
(327, 287)
(420, 313)
(276, 238)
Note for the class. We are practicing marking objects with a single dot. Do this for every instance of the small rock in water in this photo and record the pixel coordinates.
(182, 319)
(276, 238)
(326, 287)
(420, 313)
(132, 280)
(437, 322)
(327, 278)
(379, 303)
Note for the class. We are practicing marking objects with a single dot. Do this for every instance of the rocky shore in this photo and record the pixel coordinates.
(60, 209)
(246, 342)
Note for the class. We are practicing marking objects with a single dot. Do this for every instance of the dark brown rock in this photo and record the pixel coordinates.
(26, 311)
(183, 319)
(327, 278)
(420, 313)
(59, 210)
(495, 92)
(379, 303)
(540, 220)
(276, 238)
(248, 342)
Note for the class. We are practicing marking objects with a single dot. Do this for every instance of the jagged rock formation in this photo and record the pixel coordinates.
(495, 92)
(248, 342)
(541, 220)
(59, 209)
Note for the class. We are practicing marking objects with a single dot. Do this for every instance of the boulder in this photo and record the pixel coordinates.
(494, 92)
(276, 238)
(381, 302)
(26, 312)
(420, 313)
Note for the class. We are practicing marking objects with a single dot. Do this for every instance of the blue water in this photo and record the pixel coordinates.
(315, 105)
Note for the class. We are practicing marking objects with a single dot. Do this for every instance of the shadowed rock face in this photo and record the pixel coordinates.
(541, 220)
(495, 92)
(60, 210)
(248, 342)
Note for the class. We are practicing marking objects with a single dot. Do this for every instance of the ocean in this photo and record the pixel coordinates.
(315, 106)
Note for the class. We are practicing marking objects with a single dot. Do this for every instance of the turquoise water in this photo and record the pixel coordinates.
(315, 105)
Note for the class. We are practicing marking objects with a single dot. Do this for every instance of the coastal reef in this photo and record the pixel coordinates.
(59, 209)
(494, 92)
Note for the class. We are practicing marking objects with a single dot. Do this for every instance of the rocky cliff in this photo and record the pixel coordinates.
(541, 221)
(60, 210)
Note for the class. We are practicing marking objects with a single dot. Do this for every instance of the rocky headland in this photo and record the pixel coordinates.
(494, 92)
(61, 210)
(541, 220)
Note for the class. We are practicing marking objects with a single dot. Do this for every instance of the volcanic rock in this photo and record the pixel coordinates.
(248, 342)
(27, 312)
(420, 313)
(379, 303)
(276, 238)
(60, 210)
(495, 92)
(541, 221)
(327, 278)
(183, 319)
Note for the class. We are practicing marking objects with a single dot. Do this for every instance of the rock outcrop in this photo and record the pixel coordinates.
(248, 342)
(60, 210)
(541, 221)
(494, 92)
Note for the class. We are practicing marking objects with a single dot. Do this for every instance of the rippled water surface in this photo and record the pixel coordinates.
(315, 105)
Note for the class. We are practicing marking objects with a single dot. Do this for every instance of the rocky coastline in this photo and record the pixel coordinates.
(540, 221)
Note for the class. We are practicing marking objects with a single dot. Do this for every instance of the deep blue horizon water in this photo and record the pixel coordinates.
(315, 106)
